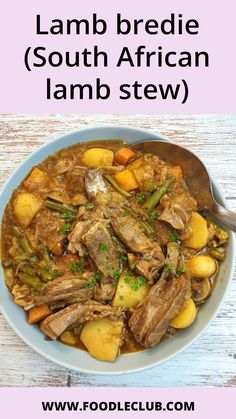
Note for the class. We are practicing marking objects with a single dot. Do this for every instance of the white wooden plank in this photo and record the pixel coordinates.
(21, 366)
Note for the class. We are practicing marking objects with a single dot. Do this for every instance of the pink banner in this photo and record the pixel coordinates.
(173, 79)
(37, 403)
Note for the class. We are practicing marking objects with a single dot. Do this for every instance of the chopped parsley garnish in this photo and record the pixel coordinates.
(96, 278)
(116, 275)
(65, 229)
(90, 206)
(123, 258)
(103, 247)
(90, 283)
(133, 265)
(153, 215)
(124, 213)
(77, 266)
(171, 269)
(140, 281)
(69, 218)
(140, 197)
(173, 236)
(174, 271)
(135, 283)
(121, 297)
(56, 272)
(181, 269)
(114, 283)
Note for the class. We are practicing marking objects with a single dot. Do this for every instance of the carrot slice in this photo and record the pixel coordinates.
(37, 314)
(124, 155)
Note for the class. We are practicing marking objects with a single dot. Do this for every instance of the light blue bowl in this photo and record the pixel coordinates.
(80, 360)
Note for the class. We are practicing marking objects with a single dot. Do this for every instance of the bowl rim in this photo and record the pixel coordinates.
(119, 128)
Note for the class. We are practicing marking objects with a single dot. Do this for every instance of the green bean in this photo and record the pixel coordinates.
(147, 228)
(130, 210)
(153, 200)
(32, 281)
(116, 186)
(17, 232)
(46, 257)
(21, 258)
(28, 269)
(45, 275)
(26, 246)
(24, 242)
(62, 208)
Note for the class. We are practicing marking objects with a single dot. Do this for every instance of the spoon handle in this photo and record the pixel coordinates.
(226, 216)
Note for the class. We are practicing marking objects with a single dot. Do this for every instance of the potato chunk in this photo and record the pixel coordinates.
(68, 338)
(98, 157)
(36, 179)
(26, 206)
(127, 296)
(102, 338)
(201, 266)
(126, 180)
(199, 235)
(186, 317)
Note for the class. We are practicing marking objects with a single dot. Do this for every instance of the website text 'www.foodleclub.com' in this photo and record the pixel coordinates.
(124, 406)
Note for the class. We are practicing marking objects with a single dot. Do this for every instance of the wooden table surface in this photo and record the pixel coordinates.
(211, 360)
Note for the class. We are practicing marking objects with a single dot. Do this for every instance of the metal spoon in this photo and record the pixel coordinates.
(195, 174)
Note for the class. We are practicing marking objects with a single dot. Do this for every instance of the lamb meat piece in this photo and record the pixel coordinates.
(130, 231)
(104, 291)
(74, 315)
(64, 288)
(177, 206)
(171, 261)
(47, 232)
(150, 262)
(94, 310)
(102, 248)
(75, 178)
(162, 232)
(62, 166)
(86, 219)
(94, 215)
(81, 296)
(23, 296)
(75, 238)
(137, 208)
(152, 317)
